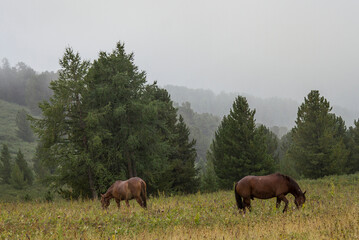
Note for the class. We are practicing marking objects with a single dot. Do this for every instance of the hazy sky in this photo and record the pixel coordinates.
(265, 48)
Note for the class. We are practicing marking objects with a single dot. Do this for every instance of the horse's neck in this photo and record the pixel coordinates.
(293, 187)
(108, 194)
(294, 190)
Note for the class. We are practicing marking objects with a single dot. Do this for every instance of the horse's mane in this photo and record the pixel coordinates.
(290, 180)
(109, 191)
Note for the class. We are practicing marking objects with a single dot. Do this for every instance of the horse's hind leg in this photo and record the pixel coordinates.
(247, 203)
(139, 200)
(127, 203)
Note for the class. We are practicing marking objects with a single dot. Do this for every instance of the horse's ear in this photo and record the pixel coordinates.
(305, 192)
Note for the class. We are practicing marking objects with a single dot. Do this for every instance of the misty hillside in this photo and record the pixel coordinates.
(8, 129)
(270, 111)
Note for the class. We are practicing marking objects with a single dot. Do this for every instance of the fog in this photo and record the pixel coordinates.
(268, 48)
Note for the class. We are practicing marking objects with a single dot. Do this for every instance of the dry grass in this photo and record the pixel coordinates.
(331, 212)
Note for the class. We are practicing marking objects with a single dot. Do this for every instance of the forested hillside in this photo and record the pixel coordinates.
(101, 121)
(9, 129)
(272, 112)
(20, 84)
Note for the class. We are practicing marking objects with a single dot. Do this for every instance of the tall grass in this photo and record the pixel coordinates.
(331, 212)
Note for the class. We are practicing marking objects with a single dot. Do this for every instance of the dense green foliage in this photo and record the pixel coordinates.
(21, 163)
(17, 177)
(105, 123)
(239, 148)
(353, 146)
(318, 147)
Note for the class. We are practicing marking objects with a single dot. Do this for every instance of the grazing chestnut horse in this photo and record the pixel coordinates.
(264, 187)
(126, 190)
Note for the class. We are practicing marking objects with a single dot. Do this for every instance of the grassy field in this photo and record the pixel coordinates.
(331, 212)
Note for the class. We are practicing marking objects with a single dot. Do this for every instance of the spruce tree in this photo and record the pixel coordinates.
(239, 149)
(318, 147)
(353, 145)
(5, 159)
(17, 177)
(63, 128)
(208, 177)
(24, 168)
(183, 158)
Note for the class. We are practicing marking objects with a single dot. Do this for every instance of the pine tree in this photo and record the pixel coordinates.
(184, 156)
(209, 180)
(318, 139)
(353, 145)
(17, 177)
(63, 128)
(5, 159)
(24, 168)
(239, 149)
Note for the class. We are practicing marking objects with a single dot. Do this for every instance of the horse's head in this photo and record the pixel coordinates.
(300, 199)
(105, 201)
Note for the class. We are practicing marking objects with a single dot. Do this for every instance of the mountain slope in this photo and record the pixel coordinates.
(8, 128)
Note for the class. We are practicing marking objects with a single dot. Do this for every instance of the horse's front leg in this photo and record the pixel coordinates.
(278, 202)
(285, 200)
(118, 203)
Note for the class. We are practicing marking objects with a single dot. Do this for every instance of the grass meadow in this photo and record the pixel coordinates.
(331, 212)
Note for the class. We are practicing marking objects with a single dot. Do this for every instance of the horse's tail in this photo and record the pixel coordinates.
(238, 198)
(143, 193)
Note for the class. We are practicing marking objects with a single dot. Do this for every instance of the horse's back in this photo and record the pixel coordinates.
(267, 186)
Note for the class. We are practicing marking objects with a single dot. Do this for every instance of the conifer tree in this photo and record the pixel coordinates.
(63, 128)
(183, 158)
(353, 145)
(17, 177)
(5, 160)
(104, 123)
(24, 168)
(209, 180)
(318, 147)
(239, 149)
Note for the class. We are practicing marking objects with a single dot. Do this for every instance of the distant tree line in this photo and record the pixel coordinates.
(22, 85)
(271, 112)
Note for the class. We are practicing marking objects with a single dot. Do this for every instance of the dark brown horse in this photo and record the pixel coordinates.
(264, 187)
(126, 190)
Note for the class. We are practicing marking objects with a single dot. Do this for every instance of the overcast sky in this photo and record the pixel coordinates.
(266, 48)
